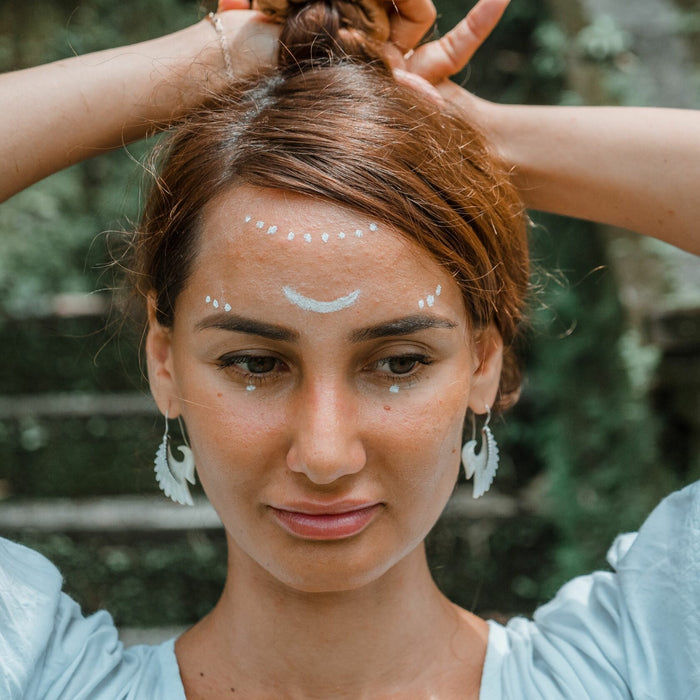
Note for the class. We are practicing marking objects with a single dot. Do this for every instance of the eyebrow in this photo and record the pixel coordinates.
(397, 327)
(401, 326)
(240, 324)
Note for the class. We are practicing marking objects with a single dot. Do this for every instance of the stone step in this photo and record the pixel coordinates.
(116, 514)
(76, 405)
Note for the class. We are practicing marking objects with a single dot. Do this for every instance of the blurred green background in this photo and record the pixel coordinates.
(608, 421)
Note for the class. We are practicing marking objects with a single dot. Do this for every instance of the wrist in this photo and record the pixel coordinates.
(205, 57)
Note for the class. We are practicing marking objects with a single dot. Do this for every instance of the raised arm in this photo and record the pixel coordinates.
(64, 112)
(59, 114)
(638, 168)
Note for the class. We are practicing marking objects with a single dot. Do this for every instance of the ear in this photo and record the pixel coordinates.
(488, 357)
(160, 363)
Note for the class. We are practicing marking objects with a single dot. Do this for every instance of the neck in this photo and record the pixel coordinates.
(370, 642)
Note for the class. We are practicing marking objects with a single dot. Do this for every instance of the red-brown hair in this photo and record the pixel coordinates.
(333, 123)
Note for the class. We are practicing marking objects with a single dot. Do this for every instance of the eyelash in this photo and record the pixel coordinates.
(257, 378)
(411, 375)
(237, 361)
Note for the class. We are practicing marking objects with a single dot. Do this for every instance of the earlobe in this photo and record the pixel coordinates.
(160, 364)
(486, 378)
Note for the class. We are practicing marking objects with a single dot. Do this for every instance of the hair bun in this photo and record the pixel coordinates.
(368, 16)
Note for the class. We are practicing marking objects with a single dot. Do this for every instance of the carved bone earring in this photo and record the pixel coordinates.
(481, 466)
(171, 475)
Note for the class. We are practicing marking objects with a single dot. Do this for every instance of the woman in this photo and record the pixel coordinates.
(334, 269)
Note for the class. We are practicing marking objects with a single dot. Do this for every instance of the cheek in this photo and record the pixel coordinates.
(235, 437)
(424, 443)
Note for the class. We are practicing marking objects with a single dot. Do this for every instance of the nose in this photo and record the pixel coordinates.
(326, 444)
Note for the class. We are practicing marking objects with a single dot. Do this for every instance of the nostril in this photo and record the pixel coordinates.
(323, 466)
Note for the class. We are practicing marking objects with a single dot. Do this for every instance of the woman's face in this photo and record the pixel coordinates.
(323, 366)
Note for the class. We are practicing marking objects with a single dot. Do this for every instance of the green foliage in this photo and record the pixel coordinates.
(596, 437)
(145, 582)
(515, 65)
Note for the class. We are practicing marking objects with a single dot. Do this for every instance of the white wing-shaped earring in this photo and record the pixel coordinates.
(481, 466)
(172, 476)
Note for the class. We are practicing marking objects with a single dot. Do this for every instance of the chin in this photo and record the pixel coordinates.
(336, 567)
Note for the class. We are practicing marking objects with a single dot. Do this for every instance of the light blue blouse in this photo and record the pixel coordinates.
(634, 633)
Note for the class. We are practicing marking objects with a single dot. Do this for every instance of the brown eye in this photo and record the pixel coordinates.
(250, 364)
(259, 365)
(401, 365)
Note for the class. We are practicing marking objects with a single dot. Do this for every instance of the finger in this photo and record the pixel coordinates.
(415, 82)
(233, 5)
(446, 56)
(410, 21)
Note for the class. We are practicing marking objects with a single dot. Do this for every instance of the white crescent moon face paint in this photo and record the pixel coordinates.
(320, 307)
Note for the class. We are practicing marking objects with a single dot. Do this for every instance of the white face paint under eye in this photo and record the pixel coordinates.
(394, 388)
(320, 307)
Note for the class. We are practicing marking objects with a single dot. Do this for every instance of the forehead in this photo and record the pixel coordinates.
(267, 240)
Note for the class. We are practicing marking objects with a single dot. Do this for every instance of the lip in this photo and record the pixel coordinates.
(312, 521)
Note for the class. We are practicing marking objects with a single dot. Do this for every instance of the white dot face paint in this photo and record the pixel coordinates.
(308, 238)
(394, 389)
(430, 298)
(303, 302)
(320, 307)
(250, 387)
(217, 304)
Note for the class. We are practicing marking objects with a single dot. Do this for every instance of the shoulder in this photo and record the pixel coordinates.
(49, 649)
(631, 632)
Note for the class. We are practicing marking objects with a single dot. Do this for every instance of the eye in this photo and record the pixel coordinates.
(398, 365)
(401, 365)
(259, 364)
(252, 366)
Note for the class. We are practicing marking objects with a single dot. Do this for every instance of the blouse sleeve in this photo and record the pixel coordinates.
(631, 633)
(49, 650)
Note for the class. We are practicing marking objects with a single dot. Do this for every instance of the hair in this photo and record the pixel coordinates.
(331, 122)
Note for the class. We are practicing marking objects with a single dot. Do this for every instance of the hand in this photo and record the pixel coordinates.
(409, 20)
(252, 40)
(428, 67)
